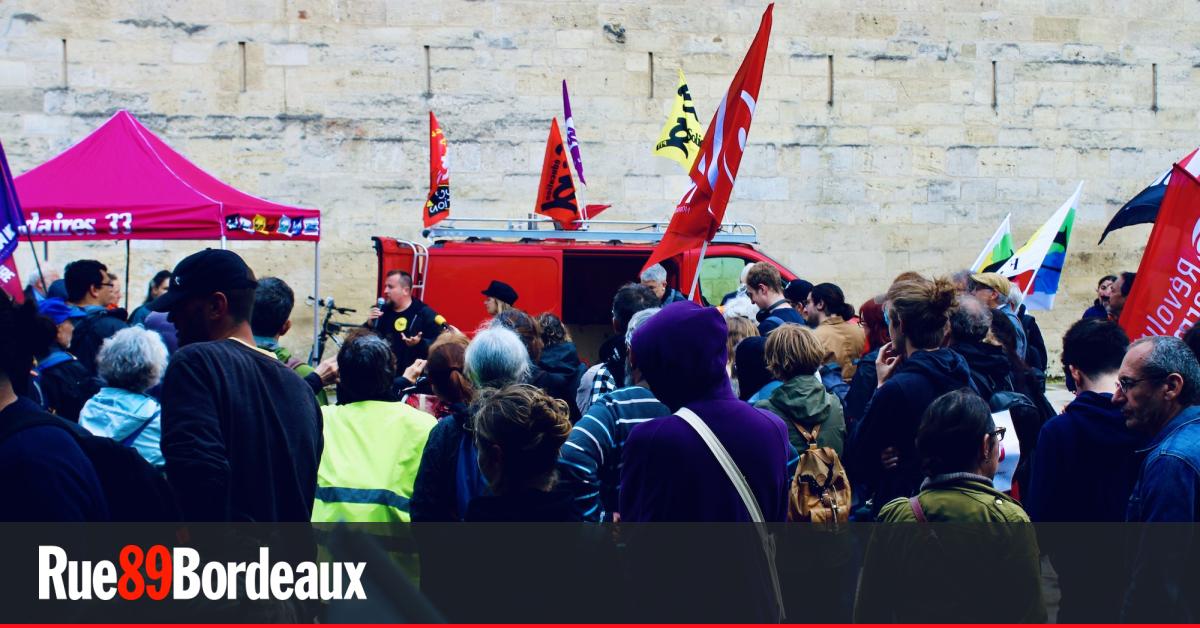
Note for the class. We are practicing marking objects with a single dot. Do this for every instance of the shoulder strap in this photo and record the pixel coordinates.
(128, 440)
(918, 512)
(811, 437)
(54, 359)
(743, 488)
(727, 463)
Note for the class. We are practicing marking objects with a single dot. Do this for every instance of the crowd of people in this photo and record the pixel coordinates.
(767, 408)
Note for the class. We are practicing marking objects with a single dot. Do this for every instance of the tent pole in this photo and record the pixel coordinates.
(37, 265)
(312, 358)
(222, 241)
(127, 271)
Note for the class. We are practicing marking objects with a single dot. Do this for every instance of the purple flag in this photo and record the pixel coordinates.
(10, 220)
(572, 140)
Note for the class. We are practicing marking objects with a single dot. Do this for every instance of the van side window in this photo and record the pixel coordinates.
(719, 276)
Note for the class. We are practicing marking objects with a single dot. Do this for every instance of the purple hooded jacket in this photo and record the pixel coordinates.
(668, 473)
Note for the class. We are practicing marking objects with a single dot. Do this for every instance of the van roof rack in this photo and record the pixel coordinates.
(542, 228)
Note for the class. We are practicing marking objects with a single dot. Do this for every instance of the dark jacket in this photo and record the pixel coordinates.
(1084, 467)
(862, 387)
(892, 419)
(52, 480)
(448, 477)
(64, 385)
(779, 313)
(612, 354)
(139, 314)
(671, 295)
(1097, 310)
(914, 574)
(1085, 463)
(991, 372)
(98, 324)
(1165, 585)
(1035, 347)
(525, 506)
(417, 318)
(557, 372)
(804, 400)
(241, 435)
(482, 573)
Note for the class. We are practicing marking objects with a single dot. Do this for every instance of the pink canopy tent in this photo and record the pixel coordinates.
(122, 182)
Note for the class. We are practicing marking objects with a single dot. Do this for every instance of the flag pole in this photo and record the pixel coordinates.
(696, 277)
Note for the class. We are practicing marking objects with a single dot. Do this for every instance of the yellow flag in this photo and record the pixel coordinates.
(681, 135)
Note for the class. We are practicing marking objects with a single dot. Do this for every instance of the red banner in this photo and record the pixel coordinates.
(437, 204)
(10, 281)
(1165, 299)
(700, 211)
(556, 191)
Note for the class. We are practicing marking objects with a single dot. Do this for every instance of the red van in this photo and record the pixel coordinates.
(573, 274)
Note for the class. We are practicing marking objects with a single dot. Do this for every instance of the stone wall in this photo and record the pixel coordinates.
(943, 116)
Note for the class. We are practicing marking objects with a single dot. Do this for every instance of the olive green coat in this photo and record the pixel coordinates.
(975, 561)
(804, 400)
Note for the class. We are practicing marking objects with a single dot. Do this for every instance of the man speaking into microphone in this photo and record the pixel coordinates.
(407, 323)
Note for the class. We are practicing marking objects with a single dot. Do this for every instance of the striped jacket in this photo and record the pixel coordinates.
(589, 464)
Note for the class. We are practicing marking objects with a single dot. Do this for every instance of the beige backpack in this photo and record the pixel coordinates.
(820, 489)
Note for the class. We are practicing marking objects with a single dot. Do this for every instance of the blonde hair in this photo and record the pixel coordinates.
(739, 330)
(528, 426)
(793, 350)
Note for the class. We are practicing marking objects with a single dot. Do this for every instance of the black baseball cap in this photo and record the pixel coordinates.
(203, 273)
(797, 290)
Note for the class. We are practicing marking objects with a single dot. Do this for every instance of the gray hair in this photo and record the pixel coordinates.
(970, 321)
(1168, 355)
(637, 320)
(496, 357)
(962, 277)
(654, 273)
(1015, 297)
(33, 279)
(366, 369)
(742, 277)
(742, 306)
(133, 359)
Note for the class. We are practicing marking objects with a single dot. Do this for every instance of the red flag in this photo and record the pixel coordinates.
(1165, 299)
(556, 191)
(10, 281)
(437, 204)
(700, 211)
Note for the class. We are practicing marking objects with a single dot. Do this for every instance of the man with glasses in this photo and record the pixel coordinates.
(1157, 385)
(90, 289)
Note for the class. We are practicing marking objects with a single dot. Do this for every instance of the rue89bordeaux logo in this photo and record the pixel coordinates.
(159, 573)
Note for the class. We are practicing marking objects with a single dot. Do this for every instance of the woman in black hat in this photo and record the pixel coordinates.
(500, 297)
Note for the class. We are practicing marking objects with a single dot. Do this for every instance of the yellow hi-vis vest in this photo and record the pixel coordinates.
(369, 464)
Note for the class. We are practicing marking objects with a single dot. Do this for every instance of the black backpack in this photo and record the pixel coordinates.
(1027, 421)
(134, 489)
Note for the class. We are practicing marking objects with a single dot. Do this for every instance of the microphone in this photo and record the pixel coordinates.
(379, 304)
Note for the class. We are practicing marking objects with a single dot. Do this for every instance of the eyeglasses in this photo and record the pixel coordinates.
(999, 433)
(109, 285)
(1125, 384)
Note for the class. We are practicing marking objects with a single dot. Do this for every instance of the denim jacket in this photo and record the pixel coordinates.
(1169, 479)
(1163, 585)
